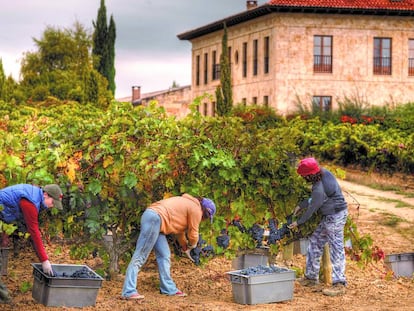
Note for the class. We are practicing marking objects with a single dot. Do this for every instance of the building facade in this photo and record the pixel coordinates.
(286, 54)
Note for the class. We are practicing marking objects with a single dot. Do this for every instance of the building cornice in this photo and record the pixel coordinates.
(267, 9)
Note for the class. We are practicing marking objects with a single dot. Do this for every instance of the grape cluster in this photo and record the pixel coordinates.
(239, 225)
(83, 273)
(223, 240)
(262, 269)
(257, 233)
(276, 234)
(201, 250)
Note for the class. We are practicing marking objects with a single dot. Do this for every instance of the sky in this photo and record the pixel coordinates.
(148, 52)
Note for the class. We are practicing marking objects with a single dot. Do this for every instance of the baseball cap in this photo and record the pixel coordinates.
(55, 192)
(210, 207)
(308, 166)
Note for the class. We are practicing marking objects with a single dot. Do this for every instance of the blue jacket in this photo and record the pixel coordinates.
(10, 198)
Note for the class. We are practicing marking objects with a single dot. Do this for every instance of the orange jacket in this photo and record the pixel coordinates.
(179, 215)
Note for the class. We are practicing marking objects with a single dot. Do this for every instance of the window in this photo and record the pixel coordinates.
(266, 55)
(322, 54)
(382, 56)
(198, 70)
(215, 74)
(411, 57)
(205, 68)
(213, 112)
(205, 109)
(244, 101)
(266, 101)
(254, 100)
(244, 59)
(322, 103)
(255, 57)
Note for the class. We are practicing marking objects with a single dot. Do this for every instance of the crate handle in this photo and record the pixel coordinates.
(236, 279)
(38, 275)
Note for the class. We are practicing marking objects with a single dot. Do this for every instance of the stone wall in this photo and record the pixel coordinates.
(291, 79)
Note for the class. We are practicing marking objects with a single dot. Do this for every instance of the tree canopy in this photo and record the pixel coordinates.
(62, 68)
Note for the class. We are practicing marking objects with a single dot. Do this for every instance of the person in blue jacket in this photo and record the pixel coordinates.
(328, 200)
(23, 203)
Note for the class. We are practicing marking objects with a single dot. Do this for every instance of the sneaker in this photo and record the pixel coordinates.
(337, 289)
(180, 294)
(308, 282)
(135, 296)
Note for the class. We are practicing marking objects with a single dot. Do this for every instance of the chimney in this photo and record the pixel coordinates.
(251, 4)
(136, 93)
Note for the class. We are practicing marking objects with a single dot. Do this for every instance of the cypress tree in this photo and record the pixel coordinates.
(100, 38)
(2, 80)
(103, 48)
(111, 55)
(224, 107)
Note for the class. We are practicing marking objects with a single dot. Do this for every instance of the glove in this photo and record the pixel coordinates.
(47, 267)
(192, 246)
(293, 225)
(297, 209)
(188, 253)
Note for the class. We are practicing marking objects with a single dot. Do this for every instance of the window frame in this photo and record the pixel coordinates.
(382, 64)
(322, 53)
(266, 52)
(244, 59)
(411, 57)
(319, 101)
(255, 57)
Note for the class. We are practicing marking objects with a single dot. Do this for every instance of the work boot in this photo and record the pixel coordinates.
(313, 285)
(4, 294)
(337, 289)
(308, 282)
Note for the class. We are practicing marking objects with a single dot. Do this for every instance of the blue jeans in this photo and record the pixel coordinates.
(150, 238)
(331, 231)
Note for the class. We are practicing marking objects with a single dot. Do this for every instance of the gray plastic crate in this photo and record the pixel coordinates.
(262, 288)
(401, 264)
(301, 246)
(257, 257)
(65, 291)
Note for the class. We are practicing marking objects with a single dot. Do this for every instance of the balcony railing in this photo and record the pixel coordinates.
(411, 66)
(382, 65)
(322, 63)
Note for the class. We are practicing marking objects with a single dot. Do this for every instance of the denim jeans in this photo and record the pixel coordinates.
(331, 231)
(150, 238)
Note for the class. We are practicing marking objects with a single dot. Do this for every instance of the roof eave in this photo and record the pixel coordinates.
(268, 9)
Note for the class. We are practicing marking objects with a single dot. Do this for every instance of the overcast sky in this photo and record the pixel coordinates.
(147, 50)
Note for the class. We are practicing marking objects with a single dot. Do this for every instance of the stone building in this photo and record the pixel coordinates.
(287, 53)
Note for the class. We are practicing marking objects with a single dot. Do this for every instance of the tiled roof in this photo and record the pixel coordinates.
(402, 8)
(357, 4)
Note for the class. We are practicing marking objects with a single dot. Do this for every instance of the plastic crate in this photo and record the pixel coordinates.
(401, 264)
(249, 260)
(4, 259)
(65, 291)
(262, 288)
(301, 246)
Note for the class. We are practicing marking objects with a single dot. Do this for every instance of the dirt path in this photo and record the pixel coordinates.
(372, 199)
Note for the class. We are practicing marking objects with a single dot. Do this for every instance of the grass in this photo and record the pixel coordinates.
(401, 186)
(398, 203)
(391, 220)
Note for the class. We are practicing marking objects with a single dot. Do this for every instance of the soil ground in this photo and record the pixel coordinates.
(387, 216)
